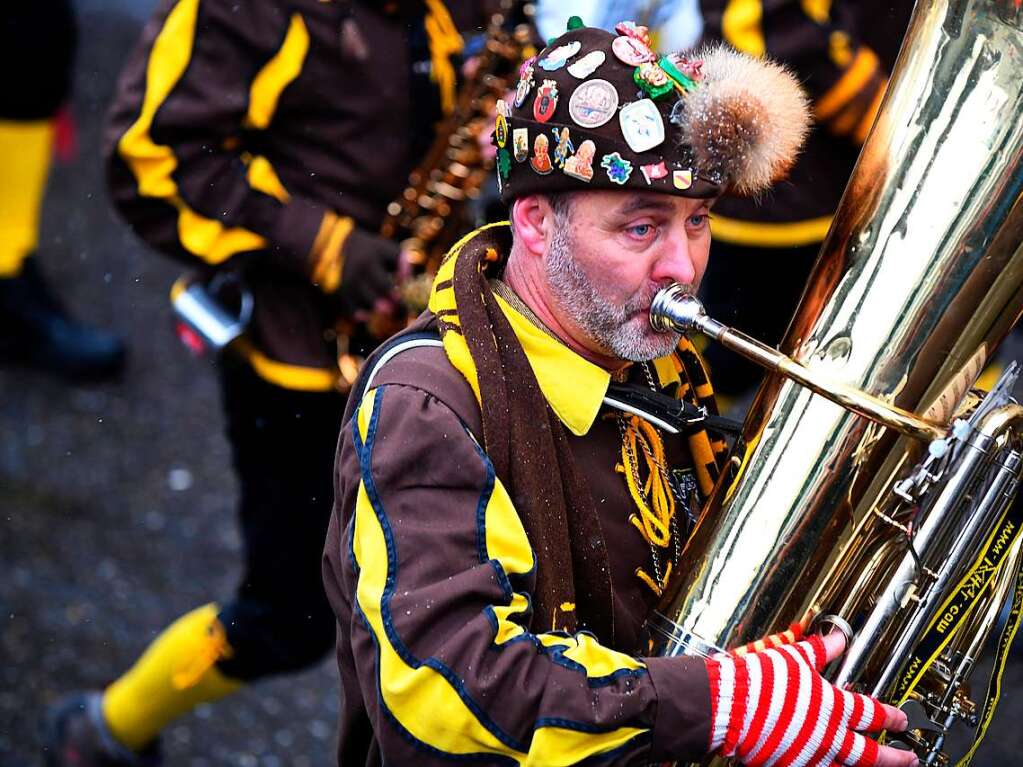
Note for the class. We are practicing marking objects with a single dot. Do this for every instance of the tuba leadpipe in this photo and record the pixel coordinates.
(674, 309)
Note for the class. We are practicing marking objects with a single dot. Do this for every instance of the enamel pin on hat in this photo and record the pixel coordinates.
(593, 103)
(642, 125)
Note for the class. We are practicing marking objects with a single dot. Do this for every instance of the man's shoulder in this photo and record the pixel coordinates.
(420, 364)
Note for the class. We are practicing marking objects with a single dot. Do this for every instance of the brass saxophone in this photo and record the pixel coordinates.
(429, 215)
(873, 489)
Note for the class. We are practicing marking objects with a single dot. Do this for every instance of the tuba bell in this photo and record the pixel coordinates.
(873, 489)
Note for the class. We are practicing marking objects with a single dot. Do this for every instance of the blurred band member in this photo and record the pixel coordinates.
(264, 140)
(35, 329)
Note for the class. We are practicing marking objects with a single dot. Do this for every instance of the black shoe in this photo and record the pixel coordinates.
(35, 330)
(75, 735)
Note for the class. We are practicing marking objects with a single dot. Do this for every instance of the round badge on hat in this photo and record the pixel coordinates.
(642, 125)
(593, 103)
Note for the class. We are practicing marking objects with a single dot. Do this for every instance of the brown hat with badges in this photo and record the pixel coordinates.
(596, 110)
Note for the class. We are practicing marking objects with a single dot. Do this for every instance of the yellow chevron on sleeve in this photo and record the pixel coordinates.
(599, 661)
(422, 700)
(741, 26)
(508, 544)
(818, 10)
(153, 164)
(560, 746)
(365, 411)
(853, 80)
(263, 178)
(505, 536)
(277, 74)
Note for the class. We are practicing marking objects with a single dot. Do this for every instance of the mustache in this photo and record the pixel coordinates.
(641, 301)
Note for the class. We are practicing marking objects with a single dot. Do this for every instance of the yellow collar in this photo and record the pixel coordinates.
(573, 386)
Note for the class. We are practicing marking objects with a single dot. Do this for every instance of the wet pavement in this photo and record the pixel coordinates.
(116, 501)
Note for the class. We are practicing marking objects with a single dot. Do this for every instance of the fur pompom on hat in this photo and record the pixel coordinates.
(746, 121)
(601, 110)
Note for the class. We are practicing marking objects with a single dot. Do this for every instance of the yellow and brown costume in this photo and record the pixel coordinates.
(481, 557)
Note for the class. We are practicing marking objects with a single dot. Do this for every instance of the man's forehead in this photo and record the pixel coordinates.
(626, 203)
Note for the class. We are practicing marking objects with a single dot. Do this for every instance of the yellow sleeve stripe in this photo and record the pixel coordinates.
(328, 256)
(445, 42)
(294, 377)
(506, 541)
(153, 164)
(848, 86)
(741, 26)
(263, 178)
(277, 74)
(769, 235)
(424, 698)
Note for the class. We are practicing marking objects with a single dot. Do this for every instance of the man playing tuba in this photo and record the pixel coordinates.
(502, 525)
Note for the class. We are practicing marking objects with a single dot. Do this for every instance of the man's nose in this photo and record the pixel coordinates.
(675, 262)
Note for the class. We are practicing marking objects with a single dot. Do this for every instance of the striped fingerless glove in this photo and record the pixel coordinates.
(772, 707)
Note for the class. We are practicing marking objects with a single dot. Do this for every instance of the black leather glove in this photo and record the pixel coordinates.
(369, 265)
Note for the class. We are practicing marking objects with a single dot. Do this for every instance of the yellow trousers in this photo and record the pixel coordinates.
(176, 673)
(25, 149)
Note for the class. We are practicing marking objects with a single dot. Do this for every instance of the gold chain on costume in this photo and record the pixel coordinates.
(654, 498)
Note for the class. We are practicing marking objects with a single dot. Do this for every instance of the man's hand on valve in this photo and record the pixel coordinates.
(772, 708)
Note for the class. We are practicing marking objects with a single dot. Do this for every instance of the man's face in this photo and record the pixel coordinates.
(609, 255)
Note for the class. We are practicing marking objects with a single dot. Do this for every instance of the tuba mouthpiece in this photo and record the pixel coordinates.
(675, 309)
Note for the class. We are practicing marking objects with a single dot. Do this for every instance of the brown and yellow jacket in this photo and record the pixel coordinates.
(433, 576)
(249, 135)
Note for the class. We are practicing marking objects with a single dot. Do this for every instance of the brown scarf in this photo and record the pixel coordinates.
(528, 446)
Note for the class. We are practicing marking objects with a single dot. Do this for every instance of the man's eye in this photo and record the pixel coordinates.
(641, 230)
(699, 220)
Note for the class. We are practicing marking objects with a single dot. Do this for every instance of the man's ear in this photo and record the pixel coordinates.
(532, 218)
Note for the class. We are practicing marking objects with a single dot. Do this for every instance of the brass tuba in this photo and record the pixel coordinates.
(872, 488)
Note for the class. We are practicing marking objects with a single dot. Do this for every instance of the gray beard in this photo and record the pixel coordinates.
(604, 322)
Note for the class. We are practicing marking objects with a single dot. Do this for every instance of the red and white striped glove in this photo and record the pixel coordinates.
(772, 708)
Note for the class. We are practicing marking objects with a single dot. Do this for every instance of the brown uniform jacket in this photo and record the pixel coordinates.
(429, 571)
(842, 51)
(238, 127)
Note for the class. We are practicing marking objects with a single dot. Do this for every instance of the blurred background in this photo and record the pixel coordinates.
(117, 499)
